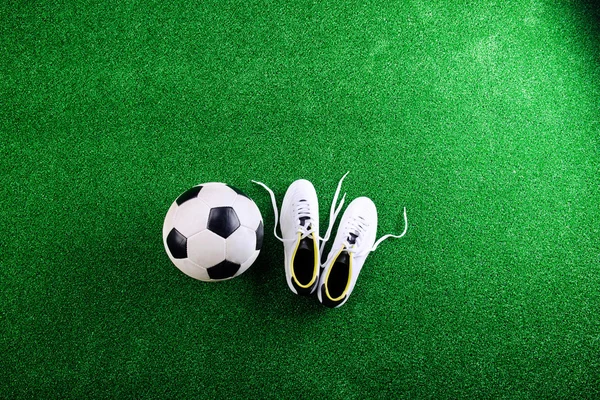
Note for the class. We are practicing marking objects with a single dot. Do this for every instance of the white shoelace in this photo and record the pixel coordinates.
(303, 211)
(357, 228)
(333, 212)
(389, 235)
(354, 231)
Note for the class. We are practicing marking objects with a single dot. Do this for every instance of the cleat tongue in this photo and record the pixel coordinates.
(305, 244)
(343, 258)
(303, 220)
(352, 238)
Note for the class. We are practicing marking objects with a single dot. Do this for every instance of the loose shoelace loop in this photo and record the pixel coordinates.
(358, 227)
(302, 210)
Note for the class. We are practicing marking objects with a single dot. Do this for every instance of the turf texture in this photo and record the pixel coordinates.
(481, 118)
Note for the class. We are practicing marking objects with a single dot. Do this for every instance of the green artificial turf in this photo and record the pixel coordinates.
(481, 118)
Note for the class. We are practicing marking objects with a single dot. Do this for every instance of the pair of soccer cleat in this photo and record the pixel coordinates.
(355, 239)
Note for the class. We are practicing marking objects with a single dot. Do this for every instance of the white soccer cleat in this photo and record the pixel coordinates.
(352, 244)
(299, 223)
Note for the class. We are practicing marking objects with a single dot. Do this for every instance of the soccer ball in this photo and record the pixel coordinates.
(213, 232)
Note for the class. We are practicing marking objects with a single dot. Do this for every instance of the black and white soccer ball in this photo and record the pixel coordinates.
(213, 232)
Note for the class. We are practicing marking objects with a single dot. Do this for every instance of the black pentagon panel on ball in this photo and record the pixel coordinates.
(260, 233)
(189, 194)
(177, 244)
(223, 221)
(223, 270)
(238, 191)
